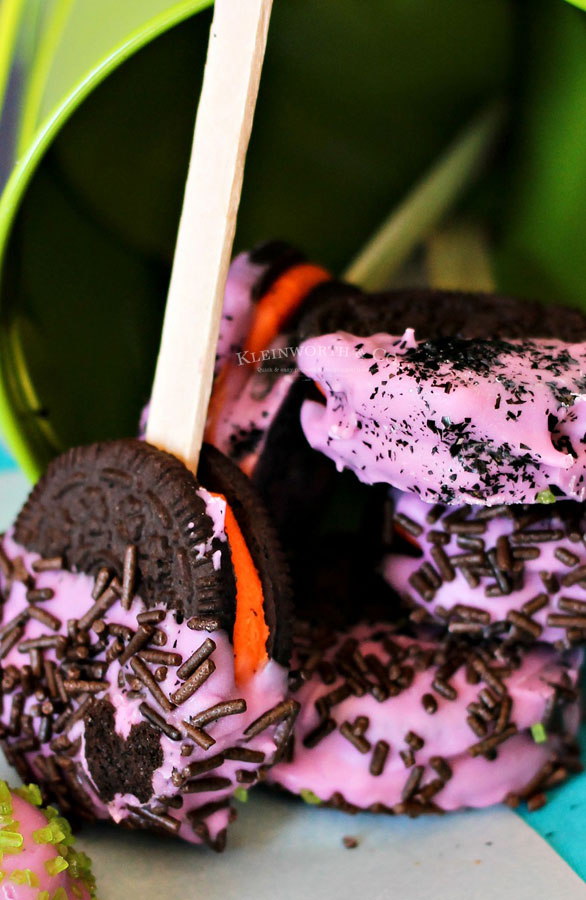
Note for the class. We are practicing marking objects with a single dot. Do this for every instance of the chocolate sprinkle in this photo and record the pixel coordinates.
(103, 603)
(219, 711)
(412, 783)
(150, 818)
(490, 743)
(160, 657)
(203, 785)
(429, 704)
(287, 709)
(195, 769)
(379, 758)
(442, 767)
(5, 564)
(35, 595)
(321, 731)
(152, 716)
(194, 682)
(101, 582)
(151, 617)
(140, 638)
(525, 623)
(200, 737)
(358, 741)
(243, 754)
(128, 576)
(144, 674)
(204, 623)
(196, 659)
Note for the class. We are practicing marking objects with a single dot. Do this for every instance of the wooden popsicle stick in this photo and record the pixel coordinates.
(185, 366)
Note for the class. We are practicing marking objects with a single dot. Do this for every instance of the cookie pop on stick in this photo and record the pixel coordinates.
(145, 632)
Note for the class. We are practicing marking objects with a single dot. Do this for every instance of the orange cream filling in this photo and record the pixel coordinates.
(272, 312)
(251, 631)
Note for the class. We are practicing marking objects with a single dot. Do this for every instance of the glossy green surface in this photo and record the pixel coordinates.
(543, 222)
(357, 100)
(78, 311)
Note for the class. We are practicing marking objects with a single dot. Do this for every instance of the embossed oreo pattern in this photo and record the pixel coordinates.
(95, 501)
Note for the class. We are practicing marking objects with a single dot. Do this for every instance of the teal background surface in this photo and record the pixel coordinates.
(562, 821)
(6, 461)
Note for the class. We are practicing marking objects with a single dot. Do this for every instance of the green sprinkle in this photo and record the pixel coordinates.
(49, 834)
(43, 895)
(56, 865)
(2, 875)
(64, 829)
(539, 733)
(44, 835)
(241, 794)
(309, 797)
(80, 866)
(5, 800)
(31, 793)
(545, 497)
(60, 894)
(76, 890)
(11, 841)
(25, 876)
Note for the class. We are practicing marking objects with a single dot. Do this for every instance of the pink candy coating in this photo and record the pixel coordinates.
(72, 598)
(238, 308)
(27, 873)
(253, 385)
(336, 765)
(449, 430)
(399, 568)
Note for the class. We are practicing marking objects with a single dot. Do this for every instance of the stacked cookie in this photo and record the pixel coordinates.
(460, 417)
(415, 648)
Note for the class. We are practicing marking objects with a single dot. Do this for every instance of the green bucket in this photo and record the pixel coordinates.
(357, 100)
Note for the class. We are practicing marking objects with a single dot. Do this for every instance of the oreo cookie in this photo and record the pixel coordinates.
(220, 474)
(96, 501)
(276, 257)
(141, 649)
(329, 524)
(434, 314)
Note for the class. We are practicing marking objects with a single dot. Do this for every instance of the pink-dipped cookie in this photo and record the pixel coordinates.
(454, 420)
(145, 638)
(514, 571)
(396, 724)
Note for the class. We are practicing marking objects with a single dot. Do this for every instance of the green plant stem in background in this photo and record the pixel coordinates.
(11, 12)
(428, 203)
(458, 258)
(58, 18)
